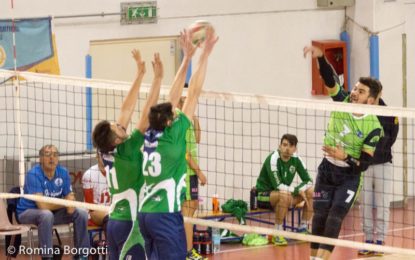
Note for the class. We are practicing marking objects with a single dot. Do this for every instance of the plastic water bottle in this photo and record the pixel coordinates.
(215, 203)
(215, 240)
(253, 199)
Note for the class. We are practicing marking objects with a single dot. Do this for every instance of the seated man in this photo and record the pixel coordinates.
(52, 180)
(274, 185)
(95, 187)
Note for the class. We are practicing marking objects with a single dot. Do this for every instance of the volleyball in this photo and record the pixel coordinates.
(200, 34)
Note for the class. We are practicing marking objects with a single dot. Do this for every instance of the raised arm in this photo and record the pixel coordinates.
(178, 83)
(128, 105)
(198, 131)
(198, 77)
(327, 72)
(153, 95)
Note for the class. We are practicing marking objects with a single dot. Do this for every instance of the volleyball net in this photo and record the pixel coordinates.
(238, 132)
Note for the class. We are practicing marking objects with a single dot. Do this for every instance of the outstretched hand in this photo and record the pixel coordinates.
(186, 43)
(315, 51)
(157, 66)
(210, 40)
(141, 66)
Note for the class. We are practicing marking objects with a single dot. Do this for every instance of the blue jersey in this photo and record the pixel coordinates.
(37, 182)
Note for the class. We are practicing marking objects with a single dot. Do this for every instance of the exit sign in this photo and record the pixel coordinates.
(139, 12)
(144, 12)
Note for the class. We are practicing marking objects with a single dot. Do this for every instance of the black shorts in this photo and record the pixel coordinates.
(335, 187)
(192, 190)
(263, 200)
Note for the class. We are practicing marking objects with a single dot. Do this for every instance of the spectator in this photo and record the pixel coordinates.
(50, 179)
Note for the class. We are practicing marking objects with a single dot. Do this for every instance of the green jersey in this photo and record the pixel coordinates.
(125, 180)
(164, 168)
(353, 133)
(277, 174)
(191, 147)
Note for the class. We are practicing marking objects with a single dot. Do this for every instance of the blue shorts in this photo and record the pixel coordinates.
(164, 235)
(117, 233)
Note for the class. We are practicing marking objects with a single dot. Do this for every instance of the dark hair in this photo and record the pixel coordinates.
(159, 116)
(374, 85)
(292, 139)
(102, 137)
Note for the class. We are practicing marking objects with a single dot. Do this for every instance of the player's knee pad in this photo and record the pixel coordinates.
(318, 225)
(319, 221)
(334, 221)
(334, 224)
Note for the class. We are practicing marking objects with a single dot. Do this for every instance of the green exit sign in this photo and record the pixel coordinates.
(139, 12)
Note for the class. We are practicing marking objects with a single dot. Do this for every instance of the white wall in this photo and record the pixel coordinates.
(260, 41)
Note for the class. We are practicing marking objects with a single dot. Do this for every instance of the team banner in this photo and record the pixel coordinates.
(48, 66)
(33, 42)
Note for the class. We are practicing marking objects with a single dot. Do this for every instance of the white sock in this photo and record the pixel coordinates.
(278, 227)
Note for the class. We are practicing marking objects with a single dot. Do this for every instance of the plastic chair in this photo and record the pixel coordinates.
(9, 229)
(12, 204)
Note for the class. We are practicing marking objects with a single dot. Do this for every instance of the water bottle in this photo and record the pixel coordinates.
(202, 240)
(208, 237)
(196, 242)
(253, 199)
(215, 240)
(215, 203)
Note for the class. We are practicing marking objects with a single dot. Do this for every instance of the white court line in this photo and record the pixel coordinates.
(389, 231)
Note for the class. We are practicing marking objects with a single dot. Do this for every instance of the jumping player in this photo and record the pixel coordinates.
(349, 145)
(120, 155)
(164, 166)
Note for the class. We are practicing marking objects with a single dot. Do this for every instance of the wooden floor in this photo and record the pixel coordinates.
(401, 234)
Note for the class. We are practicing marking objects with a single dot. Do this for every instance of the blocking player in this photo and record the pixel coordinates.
(120, 155)
(275, 189)
(164, 166)
(349, 145)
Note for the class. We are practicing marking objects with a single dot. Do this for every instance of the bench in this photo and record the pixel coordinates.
(253, 216)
